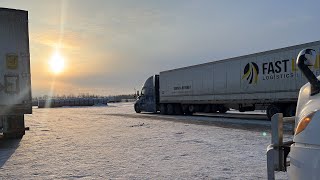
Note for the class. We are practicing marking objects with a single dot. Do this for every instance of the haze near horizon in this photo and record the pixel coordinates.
(111, 47)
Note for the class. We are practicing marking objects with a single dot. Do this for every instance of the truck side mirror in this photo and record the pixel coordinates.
(307, 57)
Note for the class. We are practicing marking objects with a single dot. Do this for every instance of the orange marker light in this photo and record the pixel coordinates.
(303, 123)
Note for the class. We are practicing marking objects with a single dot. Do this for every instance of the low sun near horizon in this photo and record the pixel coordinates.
(57, 63)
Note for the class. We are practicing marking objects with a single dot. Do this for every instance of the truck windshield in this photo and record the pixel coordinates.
(143, 91)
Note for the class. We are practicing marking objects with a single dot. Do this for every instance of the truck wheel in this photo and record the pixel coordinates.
(137, 108)
(178, 109)
(290, 110)
(223, 109)
(185, 109)
(191, 109)
(163, 109)
(170, 109)
(272, 110)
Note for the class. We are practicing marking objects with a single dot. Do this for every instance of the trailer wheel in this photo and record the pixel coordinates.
(214, 108)
(207, 108)
(163, 109)
(137, 108)
(17, 135)
(170, 109)
(290, 110)
(272, 110)
(13, 126)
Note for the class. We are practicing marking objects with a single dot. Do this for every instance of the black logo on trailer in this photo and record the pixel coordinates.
(251, 72)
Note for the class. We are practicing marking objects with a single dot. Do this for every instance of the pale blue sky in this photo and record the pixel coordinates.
(111, 47)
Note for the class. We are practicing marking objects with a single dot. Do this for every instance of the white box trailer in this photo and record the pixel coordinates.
(15, 79)
(267, 81)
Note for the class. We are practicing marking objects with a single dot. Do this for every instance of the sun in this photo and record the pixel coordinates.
(56, 63)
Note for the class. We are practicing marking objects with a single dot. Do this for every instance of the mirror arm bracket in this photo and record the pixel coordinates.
(315, 83)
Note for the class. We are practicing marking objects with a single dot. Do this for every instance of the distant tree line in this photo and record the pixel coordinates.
(87, 95)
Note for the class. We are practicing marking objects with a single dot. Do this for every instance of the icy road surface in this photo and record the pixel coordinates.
(113, 142)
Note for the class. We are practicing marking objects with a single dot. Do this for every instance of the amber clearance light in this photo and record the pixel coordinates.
(304, 123)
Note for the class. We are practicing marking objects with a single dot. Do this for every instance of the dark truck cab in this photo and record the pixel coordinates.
(149, 98)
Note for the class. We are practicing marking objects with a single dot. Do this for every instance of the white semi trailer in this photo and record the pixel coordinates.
(15, 79)
(262, 81)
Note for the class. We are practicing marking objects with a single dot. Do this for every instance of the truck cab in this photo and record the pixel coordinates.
(303, 151)
(148, 100)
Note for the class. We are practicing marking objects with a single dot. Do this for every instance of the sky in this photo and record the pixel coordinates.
(112, 47)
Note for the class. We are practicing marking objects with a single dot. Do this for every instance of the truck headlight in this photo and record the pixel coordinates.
(303, 123)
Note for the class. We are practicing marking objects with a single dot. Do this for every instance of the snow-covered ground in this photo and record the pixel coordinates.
(113, 142)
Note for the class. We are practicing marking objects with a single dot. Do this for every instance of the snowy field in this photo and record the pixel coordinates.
(113, 142)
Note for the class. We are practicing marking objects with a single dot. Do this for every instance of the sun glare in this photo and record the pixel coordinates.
(56, 63)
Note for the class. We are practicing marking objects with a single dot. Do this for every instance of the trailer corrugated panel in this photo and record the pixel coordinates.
(265, 77)
(15, 80)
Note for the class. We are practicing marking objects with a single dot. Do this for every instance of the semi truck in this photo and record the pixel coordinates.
(267, 80)
(15, 78)
(299, 156)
